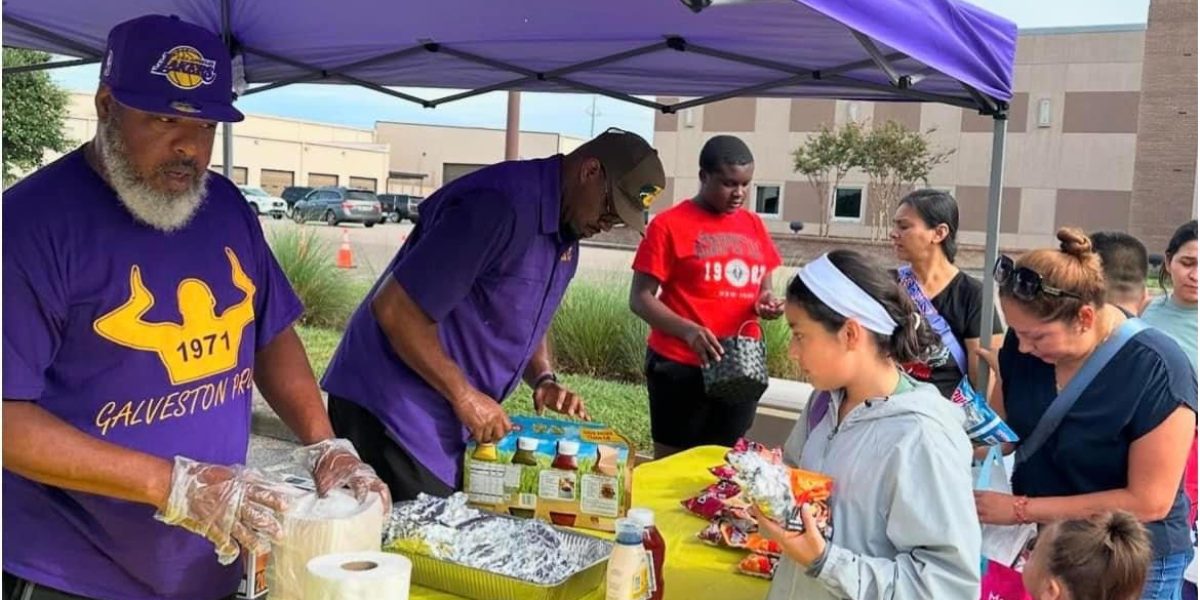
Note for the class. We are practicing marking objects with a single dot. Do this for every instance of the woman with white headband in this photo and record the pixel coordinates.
(902, 505)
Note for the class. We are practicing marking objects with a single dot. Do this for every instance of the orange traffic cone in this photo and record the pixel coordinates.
(345, 256)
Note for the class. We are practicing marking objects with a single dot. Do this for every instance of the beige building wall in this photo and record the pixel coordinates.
(423, 156)
(1072, 137)
(276, 144)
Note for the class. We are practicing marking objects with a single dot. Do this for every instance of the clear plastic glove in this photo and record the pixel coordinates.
(335, 464)
(231, 506)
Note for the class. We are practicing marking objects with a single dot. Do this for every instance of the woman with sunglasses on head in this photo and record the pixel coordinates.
(702, 273)
(1104, 405)
(903, 526)
(925, 236)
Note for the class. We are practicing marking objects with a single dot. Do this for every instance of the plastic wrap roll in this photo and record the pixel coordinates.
(314, 527)
(358, 576)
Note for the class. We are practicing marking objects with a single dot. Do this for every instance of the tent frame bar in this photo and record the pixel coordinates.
(880, 60)
(84, 50)
(901, 85)
(62, 64)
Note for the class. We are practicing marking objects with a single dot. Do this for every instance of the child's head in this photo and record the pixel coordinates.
(845, 309)
(1101, 558)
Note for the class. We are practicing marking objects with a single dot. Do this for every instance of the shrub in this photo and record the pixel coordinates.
(329, 295)
(777, 336)
(595, 334)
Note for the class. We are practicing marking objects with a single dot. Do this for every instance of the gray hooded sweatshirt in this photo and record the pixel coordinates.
(904, 520)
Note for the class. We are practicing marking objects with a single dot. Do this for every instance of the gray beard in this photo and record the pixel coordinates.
(164, 211)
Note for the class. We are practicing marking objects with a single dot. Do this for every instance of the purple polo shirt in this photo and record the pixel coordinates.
(138, 338)
(487, 263)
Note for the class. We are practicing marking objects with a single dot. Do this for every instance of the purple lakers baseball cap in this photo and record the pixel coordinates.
(165, 66)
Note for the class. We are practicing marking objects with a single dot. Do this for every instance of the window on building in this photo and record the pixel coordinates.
(767, 201)
(848, 203)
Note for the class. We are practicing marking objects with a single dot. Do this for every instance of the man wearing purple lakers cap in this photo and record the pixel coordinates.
(134, 334)
(461, 315)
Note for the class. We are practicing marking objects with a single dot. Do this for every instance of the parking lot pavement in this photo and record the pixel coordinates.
(374, 248)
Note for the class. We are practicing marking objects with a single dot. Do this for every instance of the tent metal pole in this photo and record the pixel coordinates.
(512, 127)
(992, 247)
(227, 128)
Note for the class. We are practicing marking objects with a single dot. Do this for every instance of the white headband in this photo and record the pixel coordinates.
(844, 296)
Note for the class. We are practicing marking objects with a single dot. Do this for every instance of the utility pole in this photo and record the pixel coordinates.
(593, 112)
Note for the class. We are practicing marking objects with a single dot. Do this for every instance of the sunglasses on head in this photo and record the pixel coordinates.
(1025, 283)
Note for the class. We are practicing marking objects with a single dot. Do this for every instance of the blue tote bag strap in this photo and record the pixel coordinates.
(1062, 404)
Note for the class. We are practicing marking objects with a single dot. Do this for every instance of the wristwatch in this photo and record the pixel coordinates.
(543, 378)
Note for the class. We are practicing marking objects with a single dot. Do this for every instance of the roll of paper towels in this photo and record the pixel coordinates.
(358, 576)
(315, 526)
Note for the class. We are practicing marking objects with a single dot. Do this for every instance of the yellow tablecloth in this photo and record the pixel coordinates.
(693, 570)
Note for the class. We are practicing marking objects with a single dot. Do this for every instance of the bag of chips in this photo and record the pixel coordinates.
(723, 532)
(758, 565)
(723, 472)
(710, 502)
(780, 491)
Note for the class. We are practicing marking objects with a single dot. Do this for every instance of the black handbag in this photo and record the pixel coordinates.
(740, 376)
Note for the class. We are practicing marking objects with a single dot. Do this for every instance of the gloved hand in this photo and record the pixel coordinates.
(334, 464)
(228, 505)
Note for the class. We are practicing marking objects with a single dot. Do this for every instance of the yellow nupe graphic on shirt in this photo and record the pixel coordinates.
(204, 345)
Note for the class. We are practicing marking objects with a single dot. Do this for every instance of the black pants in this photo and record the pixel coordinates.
(404, 476)
(16, 588)
(682, 415)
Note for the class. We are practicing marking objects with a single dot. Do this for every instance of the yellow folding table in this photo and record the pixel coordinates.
(693, 569)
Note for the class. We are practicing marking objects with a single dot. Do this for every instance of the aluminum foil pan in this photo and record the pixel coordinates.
(504, 557)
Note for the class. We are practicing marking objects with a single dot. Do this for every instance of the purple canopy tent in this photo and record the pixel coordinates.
(882, 50)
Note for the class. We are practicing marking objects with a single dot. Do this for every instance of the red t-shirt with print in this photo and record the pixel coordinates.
(710, 267)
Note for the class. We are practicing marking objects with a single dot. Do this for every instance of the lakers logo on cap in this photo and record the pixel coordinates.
(186, 68)
(648, 194)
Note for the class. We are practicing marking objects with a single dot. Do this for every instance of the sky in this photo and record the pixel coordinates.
(572, 114)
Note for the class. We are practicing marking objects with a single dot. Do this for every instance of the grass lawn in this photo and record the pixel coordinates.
(320, 343)
(620, 405)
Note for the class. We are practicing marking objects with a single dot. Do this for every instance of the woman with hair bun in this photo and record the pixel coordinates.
(1104, 557)
(903, 519)
(1122, 443)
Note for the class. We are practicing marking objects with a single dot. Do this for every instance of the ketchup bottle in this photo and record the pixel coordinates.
(655, 546)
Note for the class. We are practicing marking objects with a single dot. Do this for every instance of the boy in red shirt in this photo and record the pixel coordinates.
(702, 273)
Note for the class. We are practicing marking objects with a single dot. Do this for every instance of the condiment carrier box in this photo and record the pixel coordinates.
(570, 473)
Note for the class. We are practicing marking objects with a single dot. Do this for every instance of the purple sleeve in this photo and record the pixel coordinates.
(462, 238)
(276, 306)
(35, 309)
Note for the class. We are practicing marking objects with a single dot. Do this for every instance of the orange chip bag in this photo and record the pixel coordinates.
(758, 565)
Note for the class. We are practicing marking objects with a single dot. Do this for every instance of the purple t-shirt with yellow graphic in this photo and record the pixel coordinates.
(139, 338)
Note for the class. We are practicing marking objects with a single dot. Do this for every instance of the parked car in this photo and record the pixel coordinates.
(336, 205)
(264, 203)
(294, 193)
(398, 207)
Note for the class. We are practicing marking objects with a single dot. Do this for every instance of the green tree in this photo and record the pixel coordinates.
(34, 111)
(826, 158)
(896, 158)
